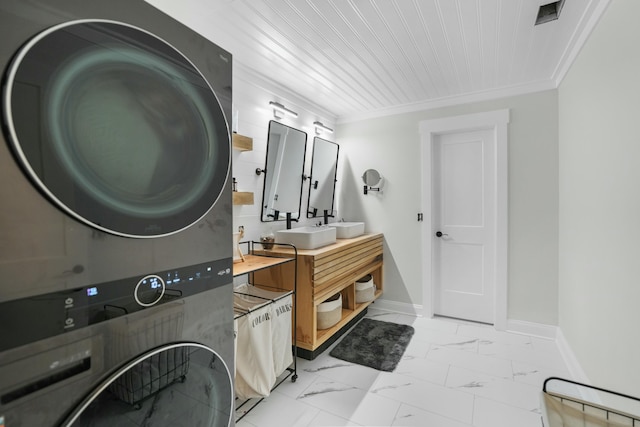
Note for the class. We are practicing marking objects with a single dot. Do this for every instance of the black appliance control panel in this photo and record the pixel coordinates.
(34, 318)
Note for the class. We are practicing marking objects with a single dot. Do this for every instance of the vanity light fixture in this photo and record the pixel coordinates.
(321, 127)
(279, 110)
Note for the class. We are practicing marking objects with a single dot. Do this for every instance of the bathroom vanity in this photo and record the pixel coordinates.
(323, 273)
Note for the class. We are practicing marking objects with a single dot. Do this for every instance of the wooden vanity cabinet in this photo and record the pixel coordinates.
(322, 273)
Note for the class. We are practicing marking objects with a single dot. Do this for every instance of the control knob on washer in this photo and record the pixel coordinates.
(149, 290)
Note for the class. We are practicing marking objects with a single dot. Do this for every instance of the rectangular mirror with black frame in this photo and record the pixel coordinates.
(324, 170)
(284, 170)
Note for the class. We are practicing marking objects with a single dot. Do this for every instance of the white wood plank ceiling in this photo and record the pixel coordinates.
(362, 58)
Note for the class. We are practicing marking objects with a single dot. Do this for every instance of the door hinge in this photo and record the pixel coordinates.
(420, 217)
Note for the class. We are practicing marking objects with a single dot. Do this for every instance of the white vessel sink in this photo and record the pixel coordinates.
(348, 230)
(307, 237)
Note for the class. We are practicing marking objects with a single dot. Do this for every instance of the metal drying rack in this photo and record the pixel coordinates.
(248, 267)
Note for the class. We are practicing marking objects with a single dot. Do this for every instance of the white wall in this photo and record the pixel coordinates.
(251, 96)
(392, 145)
(599, 273)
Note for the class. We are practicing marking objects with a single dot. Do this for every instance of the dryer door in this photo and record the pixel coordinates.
(179, 384)
(117, 128)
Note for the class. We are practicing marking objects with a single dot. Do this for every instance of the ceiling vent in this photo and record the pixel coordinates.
(549, 12)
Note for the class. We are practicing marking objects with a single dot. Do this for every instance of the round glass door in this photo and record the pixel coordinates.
(117, 127)
(185, 384)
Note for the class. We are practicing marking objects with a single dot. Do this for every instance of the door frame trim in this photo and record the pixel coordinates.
(497, 121)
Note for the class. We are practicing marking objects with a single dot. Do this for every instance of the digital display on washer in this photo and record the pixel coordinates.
(43, 316)
(131, 138)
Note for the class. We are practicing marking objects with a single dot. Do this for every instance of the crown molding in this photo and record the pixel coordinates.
(590, 18)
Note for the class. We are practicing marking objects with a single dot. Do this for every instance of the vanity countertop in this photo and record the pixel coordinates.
(326, 250)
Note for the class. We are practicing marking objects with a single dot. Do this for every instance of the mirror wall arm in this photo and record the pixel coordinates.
(367, 189)
(275, 215)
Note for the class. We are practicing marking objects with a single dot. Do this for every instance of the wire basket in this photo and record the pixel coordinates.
(151, 375)
(568, 403)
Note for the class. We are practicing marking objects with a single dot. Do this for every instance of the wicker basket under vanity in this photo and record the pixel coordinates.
(365, 289)
(330, 312)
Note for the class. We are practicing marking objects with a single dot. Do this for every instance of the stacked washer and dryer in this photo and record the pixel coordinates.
(115, 218)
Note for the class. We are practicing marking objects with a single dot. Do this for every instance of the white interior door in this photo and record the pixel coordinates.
(464, 217)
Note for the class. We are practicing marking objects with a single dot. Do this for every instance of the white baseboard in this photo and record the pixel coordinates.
(555, 333)
(530, 328)
(517, 326)
(397, 307)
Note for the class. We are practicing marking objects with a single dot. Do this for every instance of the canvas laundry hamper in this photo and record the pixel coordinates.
(254, 358)
(365, 289)
(329, 312)
(281, 312)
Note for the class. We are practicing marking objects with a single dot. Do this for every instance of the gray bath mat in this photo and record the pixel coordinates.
(374, 343)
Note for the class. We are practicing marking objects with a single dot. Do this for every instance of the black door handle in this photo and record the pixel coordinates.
(440, 234)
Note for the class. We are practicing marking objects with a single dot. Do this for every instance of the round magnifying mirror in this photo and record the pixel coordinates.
(372, 178)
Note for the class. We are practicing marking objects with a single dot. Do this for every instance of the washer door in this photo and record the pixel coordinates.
(183, 384)
(117, 128)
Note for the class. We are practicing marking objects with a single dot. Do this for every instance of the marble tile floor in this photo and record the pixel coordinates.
(453, 374)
